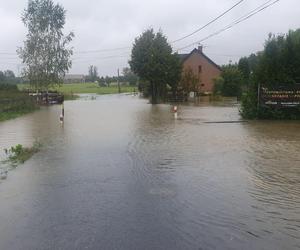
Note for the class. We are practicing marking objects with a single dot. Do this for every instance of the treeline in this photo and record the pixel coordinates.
(126, 76)
(8, 77)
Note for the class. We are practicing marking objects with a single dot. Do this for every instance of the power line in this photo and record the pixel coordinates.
(209, 23)
(239, 20)
(79, 60)
(79, 52)
(101, 50)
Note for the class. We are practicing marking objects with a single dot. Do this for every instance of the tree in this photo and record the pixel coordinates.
(108, 80)
(8, 77)
(45, 51)
(129, 76)
(2, 77)
(152, 60)
(93, 73)
(189, 81)
(244, 68)
(233, 80)
(218, 85)
(278, 65)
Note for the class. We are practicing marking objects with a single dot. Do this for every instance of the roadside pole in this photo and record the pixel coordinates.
(175, 109)
(258, 97)
(62, 115)
(119, 88)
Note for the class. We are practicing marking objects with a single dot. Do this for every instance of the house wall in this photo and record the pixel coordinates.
(74, 80)
(208, 71)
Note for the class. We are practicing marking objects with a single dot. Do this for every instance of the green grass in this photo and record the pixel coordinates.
(14, 103)
(14, 114)
(19, 154)
(87, 88)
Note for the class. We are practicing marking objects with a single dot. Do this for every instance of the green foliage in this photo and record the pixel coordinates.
(129, 76)
(251, 110)
(189, 81)
(232, 80)
(93, 74)
(45, 51)
(218, 85)
(8, 87)
(249, 107)
(144, 87)
(19, 154)
(277, 65)
(8, 77)
(244, 68)
(14, 103)
(70, 90)
(152, 60)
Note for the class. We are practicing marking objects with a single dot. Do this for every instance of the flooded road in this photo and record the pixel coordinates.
(122, 174)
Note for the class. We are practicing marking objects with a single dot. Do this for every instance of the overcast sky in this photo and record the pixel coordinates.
(112, 24)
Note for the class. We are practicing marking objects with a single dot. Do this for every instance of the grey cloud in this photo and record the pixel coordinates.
(113, 24)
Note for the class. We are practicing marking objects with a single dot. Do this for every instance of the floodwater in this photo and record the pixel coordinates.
(122, 174)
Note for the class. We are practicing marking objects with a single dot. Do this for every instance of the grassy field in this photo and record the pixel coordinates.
(86, 88)
(14, 103)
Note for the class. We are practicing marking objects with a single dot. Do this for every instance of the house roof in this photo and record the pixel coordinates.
(184, 57)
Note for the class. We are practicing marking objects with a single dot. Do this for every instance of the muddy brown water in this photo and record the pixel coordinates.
(122, 174)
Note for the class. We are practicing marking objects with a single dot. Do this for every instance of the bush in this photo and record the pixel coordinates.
(8, 87)
(250, 110)
(19, 154)
(218, 85)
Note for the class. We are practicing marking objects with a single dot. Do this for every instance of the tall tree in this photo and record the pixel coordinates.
(153, 61)
(279, 63)
(129, 76)
(232, 80)
(244, 68)
(93, 73)
(45, 52)
(8, 77)
(189, 81)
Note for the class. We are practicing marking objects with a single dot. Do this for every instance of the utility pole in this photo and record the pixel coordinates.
(119, 88)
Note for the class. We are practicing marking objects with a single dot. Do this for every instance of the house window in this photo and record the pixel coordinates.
(202, 85)
(199, 69)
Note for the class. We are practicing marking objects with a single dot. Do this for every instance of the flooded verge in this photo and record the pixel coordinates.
(123, 174)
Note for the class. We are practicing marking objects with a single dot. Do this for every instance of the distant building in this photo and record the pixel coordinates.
(74, 79)
(203, 67)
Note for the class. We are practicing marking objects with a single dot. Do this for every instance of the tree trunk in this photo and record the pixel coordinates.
(153, 93)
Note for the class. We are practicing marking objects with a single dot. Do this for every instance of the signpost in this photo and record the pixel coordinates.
(279, 97)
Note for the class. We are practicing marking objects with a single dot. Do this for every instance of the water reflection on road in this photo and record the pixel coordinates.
(122, 174)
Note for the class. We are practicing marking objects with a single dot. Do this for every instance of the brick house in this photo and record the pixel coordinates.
(203, 67)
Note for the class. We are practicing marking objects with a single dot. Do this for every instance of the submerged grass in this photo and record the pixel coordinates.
(14, 114)
(14, 103)
(19, 154)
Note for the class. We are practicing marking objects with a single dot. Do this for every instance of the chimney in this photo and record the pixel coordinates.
(200, 48)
